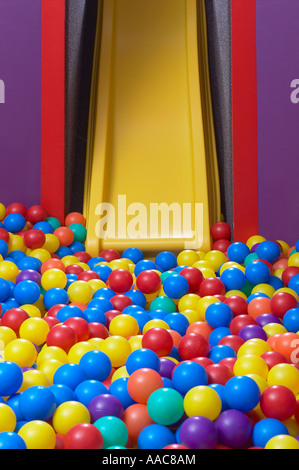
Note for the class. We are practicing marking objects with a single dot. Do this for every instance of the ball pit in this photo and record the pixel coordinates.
(188, 350)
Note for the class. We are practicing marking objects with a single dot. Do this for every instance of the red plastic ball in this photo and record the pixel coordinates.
(80, 327)
(233, 341)
(221, 245)
(272, 358)
(84, 436)
(87, 276)
(288, 273)
(120, 280)
(16, 208)
(148, 282)
(193, 345)
(74, 269)
(4, 235)
(218, 374)
(34, 238)
(74, 218)
(221, 298)
(158, 340)
(120, 301)
(110, 254)
(238, 305)
(278, 402)
(110, 314)
(62, 336)
(97, 330)
(59, 441)
(239, 322)
(13, 318)
(51, 321)
(211, 286)
(194, 277)
(52, 312)
(175, 447)
(228, 362)
(36, 214)
(83, 256)
(203, 361)
(65, 235)
(221, 230)
(281, 303)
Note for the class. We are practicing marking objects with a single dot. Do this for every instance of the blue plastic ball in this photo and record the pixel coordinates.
(291, 320)
(155, 436)
(96, 365)
(221, 351)
(12, 440)
(265, 429)
(95, 315)
(101, 303)
(3, 248)
(14, 402)
(14, 222)
(104, 293)
(158, 314)
(37, 403)
(62, 393)
(177, 322)
(219, 388)
(217, 334)
(89, 389)
(257, 272)
(268, 250)
(144, 265)
(5, 290)
(28, 262)
(44, 226)
(137, 297)
(294, 283)
(119, 389)
(69, 374)
(63, 251)
(95, 260)
(27, 292)
(55, 296)
(187, 375)
(133, 254)
(11, 378)
(255, 295)
(218, 314)
(76, 246)
(103, 271)
(233, 279)
(276, 282)
(237, 252)
(68, 311)
(166, 261)
(242, 393)
(175, 286)
(142, 359)
(142, 317)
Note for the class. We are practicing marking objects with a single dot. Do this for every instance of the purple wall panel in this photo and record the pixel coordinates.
(278, 118)
(20, 115)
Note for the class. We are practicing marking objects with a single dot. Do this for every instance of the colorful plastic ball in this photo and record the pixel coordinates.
(26, 292)
(21, 351)
(217, 334)
(79, 231)
(63, 393)
(136, 418)
(202, 400)
(113, 431)
(37, 403)
(188, 375)
(158, 340)
(144, 265)
(35, 330)
(252, 331)
(96, 365)
(286, 375)
(221, 245)
(34, 238)
(165, 406)
(221, 351)
(142, 383)
(65, 235)
(38, 434)
(165, 260)
(282, 441)
(257, 272)
(79, 325)
(258, 306)
(52, 278)
(148, 282)
(89, 389)
(278, 402)
(221, 230)
(119, 389)
(11, 378)
(83, 436)
(291, 320)
(133, 254)
(237, 252)
(80, 291)
(3, 248)
(14, 222)
(105, 405)
(198, 432)
(281, 302)
(218, 314)
(287, 344)
(120, 302)
(211, 286)
(242, 393)
(193, 345)
(8, 270)
(117, 349)
(69, 374)
(142, 359)
(155, 436)
(234, 429)
(137, 297)
(55, 296)
(177, 322)
(124, 325)
(69, 414)
(62, 336)
(233, 278)
(11, 440)
(268, 250)
(13, 318)
(175, 286)
(265, 429)
(163, 303)
(120, 280)
(193, 276)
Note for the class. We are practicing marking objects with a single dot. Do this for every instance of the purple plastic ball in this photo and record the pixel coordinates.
(254, 248)
(199, 432)
(234, 429)
(252, 331)
(105, 405)
(166, 367)
(266, 318)
(29, 275)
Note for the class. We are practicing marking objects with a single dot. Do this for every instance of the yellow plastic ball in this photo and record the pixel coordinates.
(254, 346)
(78, 350)
(188, 302)
(32, 310)
(96, 342)
(284, 245)
(96, 284)
(117, 349)
(52, 243)
(35, 330)
(2, 211)
(282, 441)
(294, 259)
(120, 374)
(274, 329)
(34, 377)
(284, 374)
(8, 270)
(203, 263)
(201, 254)
(251, 364)
(70, 260)
(191, 315)
(21, 351)
(155, 323)
(260, 381)
(53, 278)
(38, 435)
(41, 254)
(8, 418)
(16, 242)
(135, 342)
(124, 325)
(235, 292)
(264, 289)
(121, 263)
(48, 368)
(216, 258)
(228, 264)
(84, 266)
(202, 401)
(203, 304)
(52, 352)
(254, 240)
(207, 273)
(278, 273)
(6, 335)
(80, 291)
(69, 414)
(187, 258)
(40, 305)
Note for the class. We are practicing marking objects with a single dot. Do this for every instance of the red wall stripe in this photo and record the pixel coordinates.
(244, 119)
(53, 110)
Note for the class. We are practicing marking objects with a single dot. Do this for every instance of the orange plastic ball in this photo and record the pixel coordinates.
(258, 306)
(65, 235)
(201, 328)
(142, 383)
(74, 218)
(136, 418)
(288, 344)
(52, 263)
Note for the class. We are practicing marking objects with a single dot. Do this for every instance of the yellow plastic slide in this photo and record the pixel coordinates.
(151, 177)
